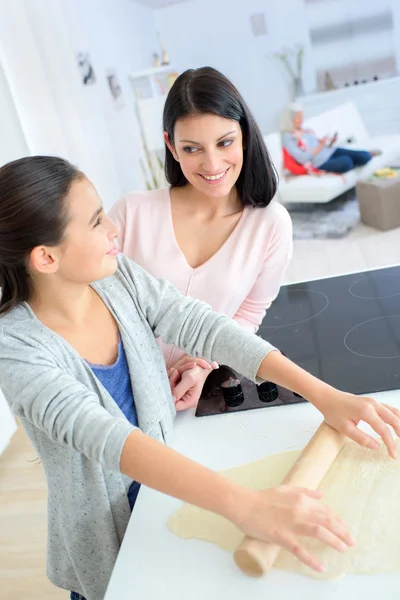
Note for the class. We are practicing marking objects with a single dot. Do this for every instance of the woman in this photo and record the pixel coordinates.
(81, 368)
(306, 149)
(215, 232)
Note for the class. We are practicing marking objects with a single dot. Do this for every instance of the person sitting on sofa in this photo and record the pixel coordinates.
(306, 149)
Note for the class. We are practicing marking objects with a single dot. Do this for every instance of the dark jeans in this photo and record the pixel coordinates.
(343, 160)
(76, 596)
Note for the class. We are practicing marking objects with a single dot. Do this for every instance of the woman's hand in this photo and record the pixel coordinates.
(189, 360)
(333, 140)
(186, 378)
(284, 514)
(186, 385)
(322, 143)
(344, 412)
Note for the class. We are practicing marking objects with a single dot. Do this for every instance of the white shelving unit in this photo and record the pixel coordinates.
(151, 88)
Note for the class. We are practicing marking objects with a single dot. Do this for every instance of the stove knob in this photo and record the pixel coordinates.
(232, 392)
(267, 391)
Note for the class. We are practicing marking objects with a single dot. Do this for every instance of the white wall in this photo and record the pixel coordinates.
(39, 40)
(57, 114)
(218, 33)
(351, 54)
(8, 425)
(396, 30)
(12, 140)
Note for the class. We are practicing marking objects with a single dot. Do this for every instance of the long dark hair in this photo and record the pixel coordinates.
(32, 213)
(207, 91)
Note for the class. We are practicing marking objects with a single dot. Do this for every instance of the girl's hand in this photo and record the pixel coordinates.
(344, 412)
(341, 410)
(284, 514)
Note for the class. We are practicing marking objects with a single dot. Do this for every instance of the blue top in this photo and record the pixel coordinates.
(117, 381)
(311, 141)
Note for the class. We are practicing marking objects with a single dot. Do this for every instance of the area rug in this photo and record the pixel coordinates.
(333, 219)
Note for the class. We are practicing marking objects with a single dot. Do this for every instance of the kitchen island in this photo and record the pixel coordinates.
(155, 564)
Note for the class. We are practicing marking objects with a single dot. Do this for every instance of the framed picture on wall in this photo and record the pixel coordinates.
(86, 69)
(115, 88)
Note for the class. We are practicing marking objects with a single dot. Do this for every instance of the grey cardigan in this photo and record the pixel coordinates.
(76, 427)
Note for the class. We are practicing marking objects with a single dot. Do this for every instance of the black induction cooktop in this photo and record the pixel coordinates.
(344, 330)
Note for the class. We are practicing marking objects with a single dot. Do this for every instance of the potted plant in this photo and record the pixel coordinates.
(292, 60)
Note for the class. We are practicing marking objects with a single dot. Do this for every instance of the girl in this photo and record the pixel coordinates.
(215, 232)
(82, 370)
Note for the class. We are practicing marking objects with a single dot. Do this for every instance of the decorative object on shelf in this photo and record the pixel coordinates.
(328, 82)
(115, 88)
(156, 60)
(292, 59)
(165, 59)
(164, 55)
(86, 69)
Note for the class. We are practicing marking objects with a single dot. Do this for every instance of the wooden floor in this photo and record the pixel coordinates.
(22, 484)
(23, 500)
(364, 248)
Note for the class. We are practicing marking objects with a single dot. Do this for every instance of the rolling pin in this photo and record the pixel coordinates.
(254, 557)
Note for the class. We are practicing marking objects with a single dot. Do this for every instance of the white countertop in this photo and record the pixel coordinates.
(154, 563)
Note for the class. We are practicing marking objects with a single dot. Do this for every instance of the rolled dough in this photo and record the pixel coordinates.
(362, 486)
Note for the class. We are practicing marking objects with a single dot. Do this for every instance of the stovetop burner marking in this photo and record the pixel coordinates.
(360, 325)
(308, 318)
(372, 278)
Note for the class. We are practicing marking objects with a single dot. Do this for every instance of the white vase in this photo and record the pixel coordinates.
(298, 87)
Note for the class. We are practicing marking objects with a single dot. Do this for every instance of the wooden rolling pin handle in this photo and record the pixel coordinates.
(256, 558)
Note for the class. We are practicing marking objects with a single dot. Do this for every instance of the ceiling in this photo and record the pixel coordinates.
(159, 3)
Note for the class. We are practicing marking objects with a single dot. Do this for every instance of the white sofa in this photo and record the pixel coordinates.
(346, 120)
